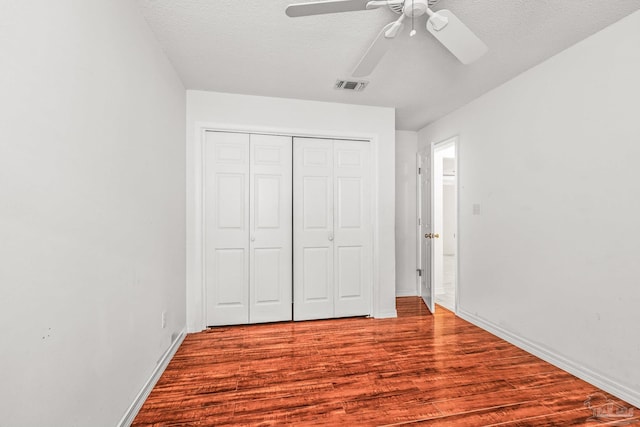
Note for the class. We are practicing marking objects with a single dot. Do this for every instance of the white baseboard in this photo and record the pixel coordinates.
(602, 382)
(133, 410)
(406, 293)
(386, 314)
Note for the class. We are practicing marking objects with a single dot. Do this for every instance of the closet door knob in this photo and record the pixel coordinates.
(330, 237)
(253, 238)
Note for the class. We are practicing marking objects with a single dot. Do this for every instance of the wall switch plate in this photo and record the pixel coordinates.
(476, 208)
(164, 319)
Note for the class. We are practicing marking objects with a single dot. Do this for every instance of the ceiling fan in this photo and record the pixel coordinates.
(443, 25)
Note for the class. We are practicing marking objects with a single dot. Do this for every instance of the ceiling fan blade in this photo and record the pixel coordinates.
(374, 54)
(395, 28)
(455, 36)
(322, 7)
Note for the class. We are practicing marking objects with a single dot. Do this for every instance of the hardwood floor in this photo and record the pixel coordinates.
(415, 369)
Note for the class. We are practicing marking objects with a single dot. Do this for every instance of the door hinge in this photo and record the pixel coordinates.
(419, 221)
(419, 171)
(419, 272)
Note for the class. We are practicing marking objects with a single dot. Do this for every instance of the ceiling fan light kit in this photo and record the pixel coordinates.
(442, 24)
(415, 8)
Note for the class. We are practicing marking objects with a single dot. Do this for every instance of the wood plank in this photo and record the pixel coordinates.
(417, 369)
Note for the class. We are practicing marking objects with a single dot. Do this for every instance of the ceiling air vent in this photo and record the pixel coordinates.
(354, 85)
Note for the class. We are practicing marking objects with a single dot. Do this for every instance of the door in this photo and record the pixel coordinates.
(270, 258)
(313, 229)
(332, 229)
(426, 284)
(352, 228)
(226, 226)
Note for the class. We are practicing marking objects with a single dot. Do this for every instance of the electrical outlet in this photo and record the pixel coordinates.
(164, 319)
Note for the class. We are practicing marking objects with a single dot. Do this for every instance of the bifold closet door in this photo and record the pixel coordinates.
(248, 227)
(270, 229)
(313, 229)
(226, 215)
(353, 250)
(332, 228)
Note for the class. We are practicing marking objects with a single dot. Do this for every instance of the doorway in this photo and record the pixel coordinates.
(445, 223)
(437, 246)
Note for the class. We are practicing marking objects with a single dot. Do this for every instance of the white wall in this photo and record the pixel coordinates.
(92, 222)
(549, 156)
(406, 217)
(255, 113)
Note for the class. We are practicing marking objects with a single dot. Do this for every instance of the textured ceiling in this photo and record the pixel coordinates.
(252, 47)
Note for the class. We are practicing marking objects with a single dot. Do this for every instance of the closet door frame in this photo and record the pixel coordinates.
(196, 274)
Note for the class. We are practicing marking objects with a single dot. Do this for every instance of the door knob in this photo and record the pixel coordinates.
(432, 236)
(253, 238)
(330, 237)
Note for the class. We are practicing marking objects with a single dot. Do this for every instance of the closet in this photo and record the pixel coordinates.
(288, 231)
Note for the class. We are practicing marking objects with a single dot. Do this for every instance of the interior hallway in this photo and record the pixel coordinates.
(360, 371)
(446, 293)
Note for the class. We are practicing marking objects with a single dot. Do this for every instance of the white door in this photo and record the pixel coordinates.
(352, 228)
(226, 210)
(332, 228)
(313, 229)
(426, 287)
(270, 229)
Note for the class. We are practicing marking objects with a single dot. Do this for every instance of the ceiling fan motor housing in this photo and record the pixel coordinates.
(415, 8)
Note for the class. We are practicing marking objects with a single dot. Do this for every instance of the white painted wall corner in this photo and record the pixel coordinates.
(137, 403)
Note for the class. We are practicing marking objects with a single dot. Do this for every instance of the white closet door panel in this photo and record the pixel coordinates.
(353, 250)
(349, 203)
(349, 272)
(316, 192)
(267, 203)
(318, 282)
(229, 269)
(270, 229)
(230, 204)
(226, 228)
(267, 268)
(313, 229)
